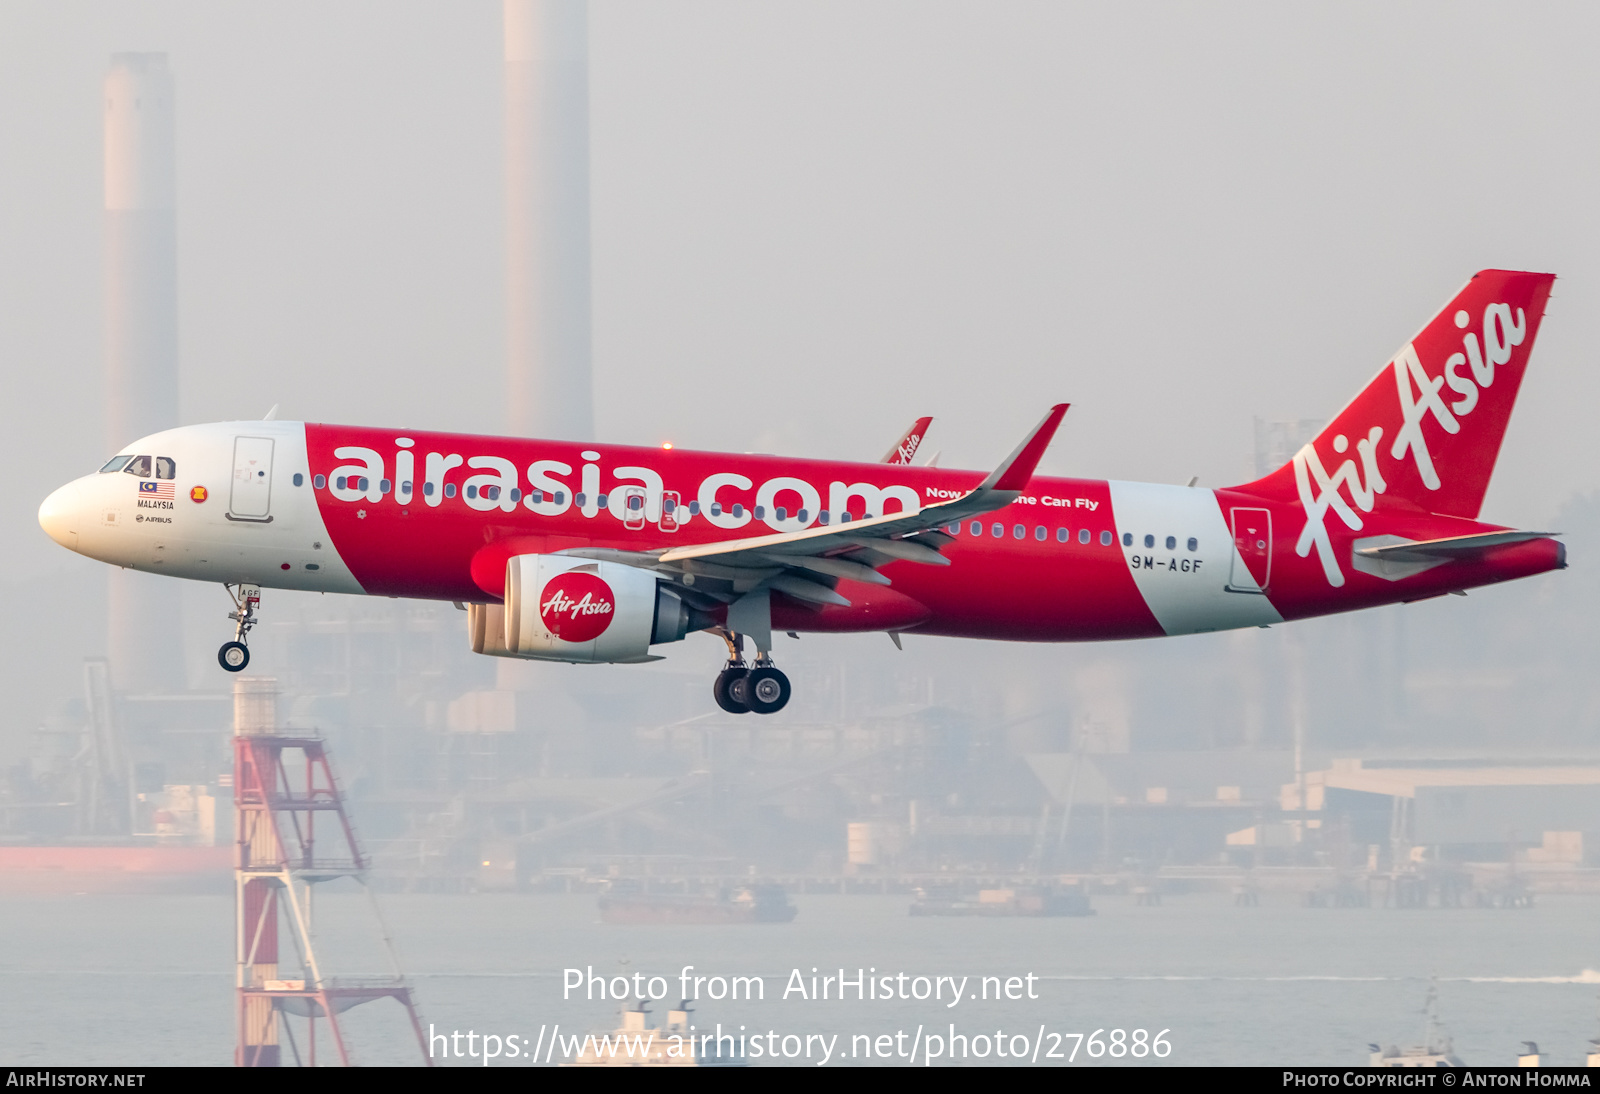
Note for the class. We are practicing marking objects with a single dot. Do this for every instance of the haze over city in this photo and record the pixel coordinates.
(811, 224)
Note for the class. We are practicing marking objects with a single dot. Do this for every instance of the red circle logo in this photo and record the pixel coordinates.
(577, 607)
(198, 494)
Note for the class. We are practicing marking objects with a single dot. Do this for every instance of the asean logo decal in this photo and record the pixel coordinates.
(198, 494)
(577, 607)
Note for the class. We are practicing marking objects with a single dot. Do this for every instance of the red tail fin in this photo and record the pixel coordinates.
(1426, 431)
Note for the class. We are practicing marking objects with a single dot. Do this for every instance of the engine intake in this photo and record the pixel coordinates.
(559, 608)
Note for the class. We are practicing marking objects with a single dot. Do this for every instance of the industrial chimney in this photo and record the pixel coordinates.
(141, 331)
(550, 389)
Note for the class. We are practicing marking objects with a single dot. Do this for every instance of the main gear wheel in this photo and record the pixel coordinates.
(732, 689)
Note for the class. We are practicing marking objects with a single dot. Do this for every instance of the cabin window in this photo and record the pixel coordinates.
(384, 486)
(780, 512)
(738, 510)
(116, 464)
(299, 479)
(694, 508)
(561, 497)
(976, 527)
(1127, 539)
(1194, 544)
(1105, 539)
(716, 508)
(1172, 543)
(167, 469)
(516, 494)
(581, 499)
(1019, 531)
(1149, 541)
(603, 500)
(361, 484)
(339, 483)
(139, 465)
(472, 491)
(669, 506)
(537, 497)
(953, 529)
(802, 516)
(761, 512)
(1040, 533)
(427, 489)
(998, 531)
(319, 481)
(822, 517)
(405, 487)
(449, 489)
(1062, 535)
(1083, 535)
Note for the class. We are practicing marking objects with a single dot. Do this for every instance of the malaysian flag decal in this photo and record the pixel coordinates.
(161, 489)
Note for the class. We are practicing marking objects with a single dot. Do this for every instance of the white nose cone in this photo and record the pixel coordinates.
(60, 515)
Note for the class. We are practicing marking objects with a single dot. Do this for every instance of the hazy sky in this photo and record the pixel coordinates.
(815, 221)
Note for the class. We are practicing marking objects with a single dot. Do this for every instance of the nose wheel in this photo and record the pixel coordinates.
(235, 655)
(741, 689)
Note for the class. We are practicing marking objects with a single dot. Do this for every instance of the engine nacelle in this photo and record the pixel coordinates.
(559, 608)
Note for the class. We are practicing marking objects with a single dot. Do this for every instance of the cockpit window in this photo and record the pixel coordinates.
(115, 464)
(166, 468)
(139, 465)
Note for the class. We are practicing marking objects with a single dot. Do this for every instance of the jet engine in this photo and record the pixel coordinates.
(559, 608)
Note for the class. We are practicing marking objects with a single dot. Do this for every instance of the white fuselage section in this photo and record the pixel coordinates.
(239, 508)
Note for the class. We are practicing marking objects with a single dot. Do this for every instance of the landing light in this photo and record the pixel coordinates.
(666, 444)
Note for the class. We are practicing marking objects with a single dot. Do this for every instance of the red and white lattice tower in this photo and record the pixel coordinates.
(282, 784)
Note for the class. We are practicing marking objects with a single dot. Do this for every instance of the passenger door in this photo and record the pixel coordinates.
(251, 496)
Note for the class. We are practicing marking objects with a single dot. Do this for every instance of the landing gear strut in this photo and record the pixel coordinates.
(740, 689)
(235, 655)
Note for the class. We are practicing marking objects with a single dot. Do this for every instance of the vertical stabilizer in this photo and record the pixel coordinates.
(1426, 431)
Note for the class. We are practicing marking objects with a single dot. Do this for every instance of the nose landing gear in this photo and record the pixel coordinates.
(235, 655)
(740, 689)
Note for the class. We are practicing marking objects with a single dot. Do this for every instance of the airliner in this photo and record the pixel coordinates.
(589, 553)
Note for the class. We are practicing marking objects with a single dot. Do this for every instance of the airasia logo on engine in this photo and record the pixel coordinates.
(577, 607)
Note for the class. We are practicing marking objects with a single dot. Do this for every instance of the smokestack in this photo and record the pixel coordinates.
(141, 299)
(550, 389)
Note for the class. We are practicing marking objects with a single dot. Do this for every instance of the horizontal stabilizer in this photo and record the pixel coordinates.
(1453, 547)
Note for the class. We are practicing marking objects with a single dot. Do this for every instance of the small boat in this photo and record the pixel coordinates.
(674, 1044)
(1064, 900)
(739, 904)
(1435, 1050)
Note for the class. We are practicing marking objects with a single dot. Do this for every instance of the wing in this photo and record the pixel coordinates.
(808, 564)
(906, 447)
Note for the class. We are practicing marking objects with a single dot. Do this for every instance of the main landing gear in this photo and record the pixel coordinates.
(235, 655)
(741, 689)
